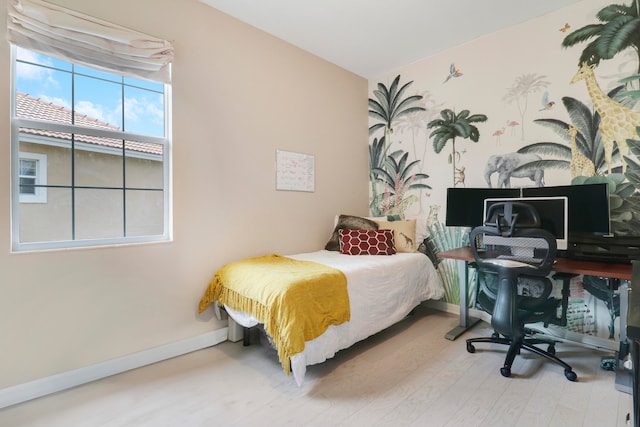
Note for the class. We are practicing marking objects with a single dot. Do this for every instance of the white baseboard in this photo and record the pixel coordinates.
(48, 385)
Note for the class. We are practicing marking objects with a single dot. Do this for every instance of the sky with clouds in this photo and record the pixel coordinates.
(97, 94)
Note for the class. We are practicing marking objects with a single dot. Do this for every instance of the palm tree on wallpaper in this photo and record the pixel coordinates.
(588, 139)
(519, 92)
(630, 204)
(634, 148)
(618, 30)
(390, 105)
(452, 126)
(395, 173)
(415, 125)
(376, 162)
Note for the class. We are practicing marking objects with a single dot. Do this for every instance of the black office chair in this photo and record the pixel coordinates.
(514, 256)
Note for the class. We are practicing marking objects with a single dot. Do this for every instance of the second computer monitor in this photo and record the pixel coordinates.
(588, 205)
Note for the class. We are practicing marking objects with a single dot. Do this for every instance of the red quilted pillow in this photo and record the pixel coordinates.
(367, 242)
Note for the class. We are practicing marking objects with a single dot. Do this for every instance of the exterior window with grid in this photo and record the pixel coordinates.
(33, 178)
(92, 162)
(90, 130)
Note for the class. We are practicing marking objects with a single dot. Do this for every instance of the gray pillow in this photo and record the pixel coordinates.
(348, 222)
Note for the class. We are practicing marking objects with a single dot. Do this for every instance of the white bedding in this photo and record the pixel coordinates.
(382, 291)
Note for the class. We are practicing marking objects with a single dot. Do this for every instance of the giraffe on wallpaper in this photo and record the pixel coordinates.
(617, 122)
(580, 165)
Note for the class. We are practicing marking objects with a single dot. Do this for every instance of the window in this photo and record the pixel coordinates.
(89, 130)
(91, 155)
(32, 175)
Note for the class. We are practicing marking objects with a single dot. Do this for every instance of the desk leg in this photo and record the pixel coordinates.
(635, 360)
(624, 377)
(466, 321)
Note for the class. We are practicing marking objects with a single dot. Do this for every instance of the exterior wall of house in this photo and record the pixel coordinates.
(98, 212)
(238, 95)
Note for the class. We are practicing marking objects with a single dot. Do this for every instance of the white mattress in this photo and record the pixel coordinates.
(382, 291)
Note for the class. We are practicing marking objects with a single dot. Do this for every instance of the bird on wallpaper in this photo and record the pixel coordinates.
(546, 104)
(453, 72)
(565, 28)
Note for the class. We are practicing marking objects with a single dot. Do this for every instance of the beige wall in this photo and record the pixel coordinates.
(238, 95)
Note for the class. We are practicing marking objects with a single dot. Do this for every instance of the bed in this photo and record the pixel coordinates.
(381, 290)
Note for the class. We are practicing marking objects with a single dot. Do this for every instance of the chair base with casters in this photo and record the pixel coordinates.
(546, 313)
(528, 344)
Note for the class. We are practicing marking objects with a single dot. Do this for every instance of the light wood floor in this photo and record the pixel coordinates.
(408, 375)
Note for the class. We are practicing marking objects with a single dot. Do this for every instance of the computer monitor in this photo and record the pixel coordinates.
(589, 210)
(465, 205)
(553, 213)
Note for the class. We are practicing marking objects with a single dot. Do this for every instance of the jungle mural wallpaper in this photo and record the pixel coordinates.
(553, 101)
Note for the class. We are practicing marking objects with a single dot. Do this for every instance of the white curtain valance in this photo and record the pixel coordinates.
(69, 35)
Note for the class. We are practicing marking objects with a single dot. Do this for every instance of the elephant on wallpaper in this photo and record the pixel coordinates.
(506, 165)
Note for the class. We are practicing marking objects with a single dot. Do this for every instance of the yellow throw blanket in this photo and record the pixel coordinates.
(295, 300)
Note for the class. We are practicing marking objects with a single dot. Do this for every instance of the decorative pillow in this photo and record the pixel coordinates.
(348, 222)
(404, 233)
(366, 242)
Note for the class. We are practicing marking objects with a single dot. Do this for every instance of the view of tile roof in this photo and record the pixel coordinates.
(28, 107)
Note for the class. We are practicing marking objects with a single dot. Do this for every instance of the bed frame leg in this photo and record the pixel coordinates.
(246, 336)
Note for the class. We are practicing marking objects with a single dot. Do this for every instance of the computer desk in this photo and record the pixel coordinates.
(562, 265)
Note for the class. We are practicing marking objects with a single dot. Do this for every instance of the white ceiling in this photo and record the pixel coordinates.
(373, 37)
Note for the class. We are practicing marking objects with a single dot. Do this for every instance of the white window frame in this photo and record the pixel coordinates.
(17, 123)
(40, 195)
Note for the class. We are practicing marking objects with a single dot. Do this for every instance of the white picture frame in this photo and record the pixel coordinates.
(295, 171)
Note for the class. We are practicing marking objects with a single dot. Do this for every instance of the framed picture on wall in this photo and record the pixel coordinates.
(295, 171)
